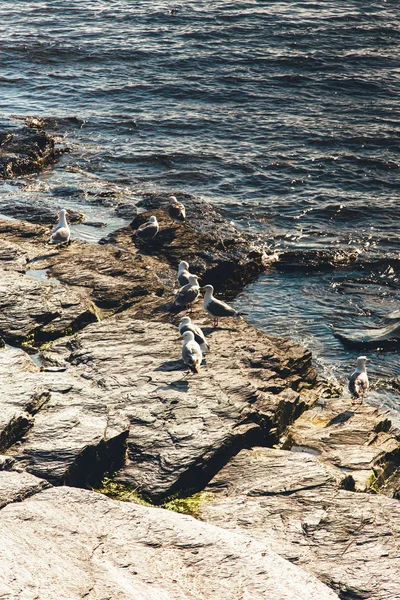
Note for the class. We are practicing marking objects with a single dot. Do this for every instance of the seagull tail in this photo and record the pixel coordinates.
(204, 348)
(242, 314)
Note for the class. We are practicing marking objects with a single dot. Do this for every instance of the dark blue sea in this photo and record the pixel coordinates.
(283, 114)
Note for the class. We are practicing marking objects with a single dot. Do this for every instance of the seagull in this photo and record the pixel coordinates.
(358, 382)
(191, 352)
(183, 273)
(61, 232)
(217, 308)
(148, 230)
(187, 325)
(176, 210)
(188, 293)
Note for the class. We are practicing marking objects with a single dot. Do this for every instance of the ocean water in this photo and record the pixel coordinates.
(284, 114)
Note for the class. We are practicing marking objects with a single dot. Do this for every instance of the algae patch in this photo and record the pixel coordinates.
(187, 506)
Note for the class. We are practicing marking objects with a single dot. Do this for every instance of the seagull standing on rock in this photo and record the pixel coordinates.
(176, 210)
(149, 230)
(183, 273)
(358, 383)
(191, 352)
(217, 308)
(188, 293)
(187, 325)
(61, 232)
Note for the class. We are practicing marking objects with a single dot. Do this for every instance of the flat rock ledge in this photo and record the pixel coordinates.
(72, 544)
(293, 501)
(115, 395)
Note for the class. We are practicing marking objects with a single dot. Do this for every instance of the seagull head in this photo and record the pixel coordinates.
(193, 279)
(153, 220)
(361, 360)
(172, 199)
(188, 336)
(185, 321)
(208, 289)
(183, 266)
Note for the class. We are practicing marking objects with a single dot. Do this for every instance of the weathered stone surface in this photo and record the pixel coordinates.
(182, 430)
(356, 438)
(215, 249)
(20, 401)
(43, 309)
(70, 544)
(292, 502)
(110, 277)
(36, 211)
(55, 426)
(25, 150)
(15, 487)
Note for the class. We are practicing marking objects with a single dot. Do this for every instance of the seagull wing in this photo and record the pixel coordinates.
(217, 308)
(61, 235)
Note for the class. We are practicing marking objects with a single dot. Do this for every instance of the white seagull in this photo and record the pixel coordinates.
(176, 210)
(183, 273)
(187, 325)
(149, 230)
(217, 308)
(188, 293)
(358, 382)
(61, 232)
(191, 352)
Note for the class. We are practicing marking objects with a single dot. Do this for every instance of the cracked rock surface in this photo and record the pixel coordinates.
(293, 501)
(72, 544)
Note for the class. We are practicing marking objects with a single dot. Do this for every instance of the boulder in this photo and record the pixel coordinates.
(216, 250)
(25, 150)
(386, 335)
(15, 487)
(357, 438)
(293, 502)
(70, 544)
(37, 311)
(55, 426)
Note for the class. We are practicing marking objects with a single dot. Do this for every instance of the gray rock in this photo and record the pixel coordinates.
(386, 335)
(182, 430)
(292, 502)
(43, 309)
(15, 487)
(70, 544)
(55, 426)
(357, 438)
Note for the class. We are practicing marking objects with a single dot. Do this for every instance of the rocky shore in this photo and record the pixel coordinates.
(292, 489)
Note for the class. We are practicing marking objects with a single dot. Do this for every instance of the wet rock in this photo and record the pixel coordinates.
(182, 430)
(101, 548)
(354, 437)
(41, 310)
(56, 426)
(25, 150)
(37, 212)
(125, 211)
(214, 248)
(15, 487)
(292, 502)
(315, 260)
(385, 336)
